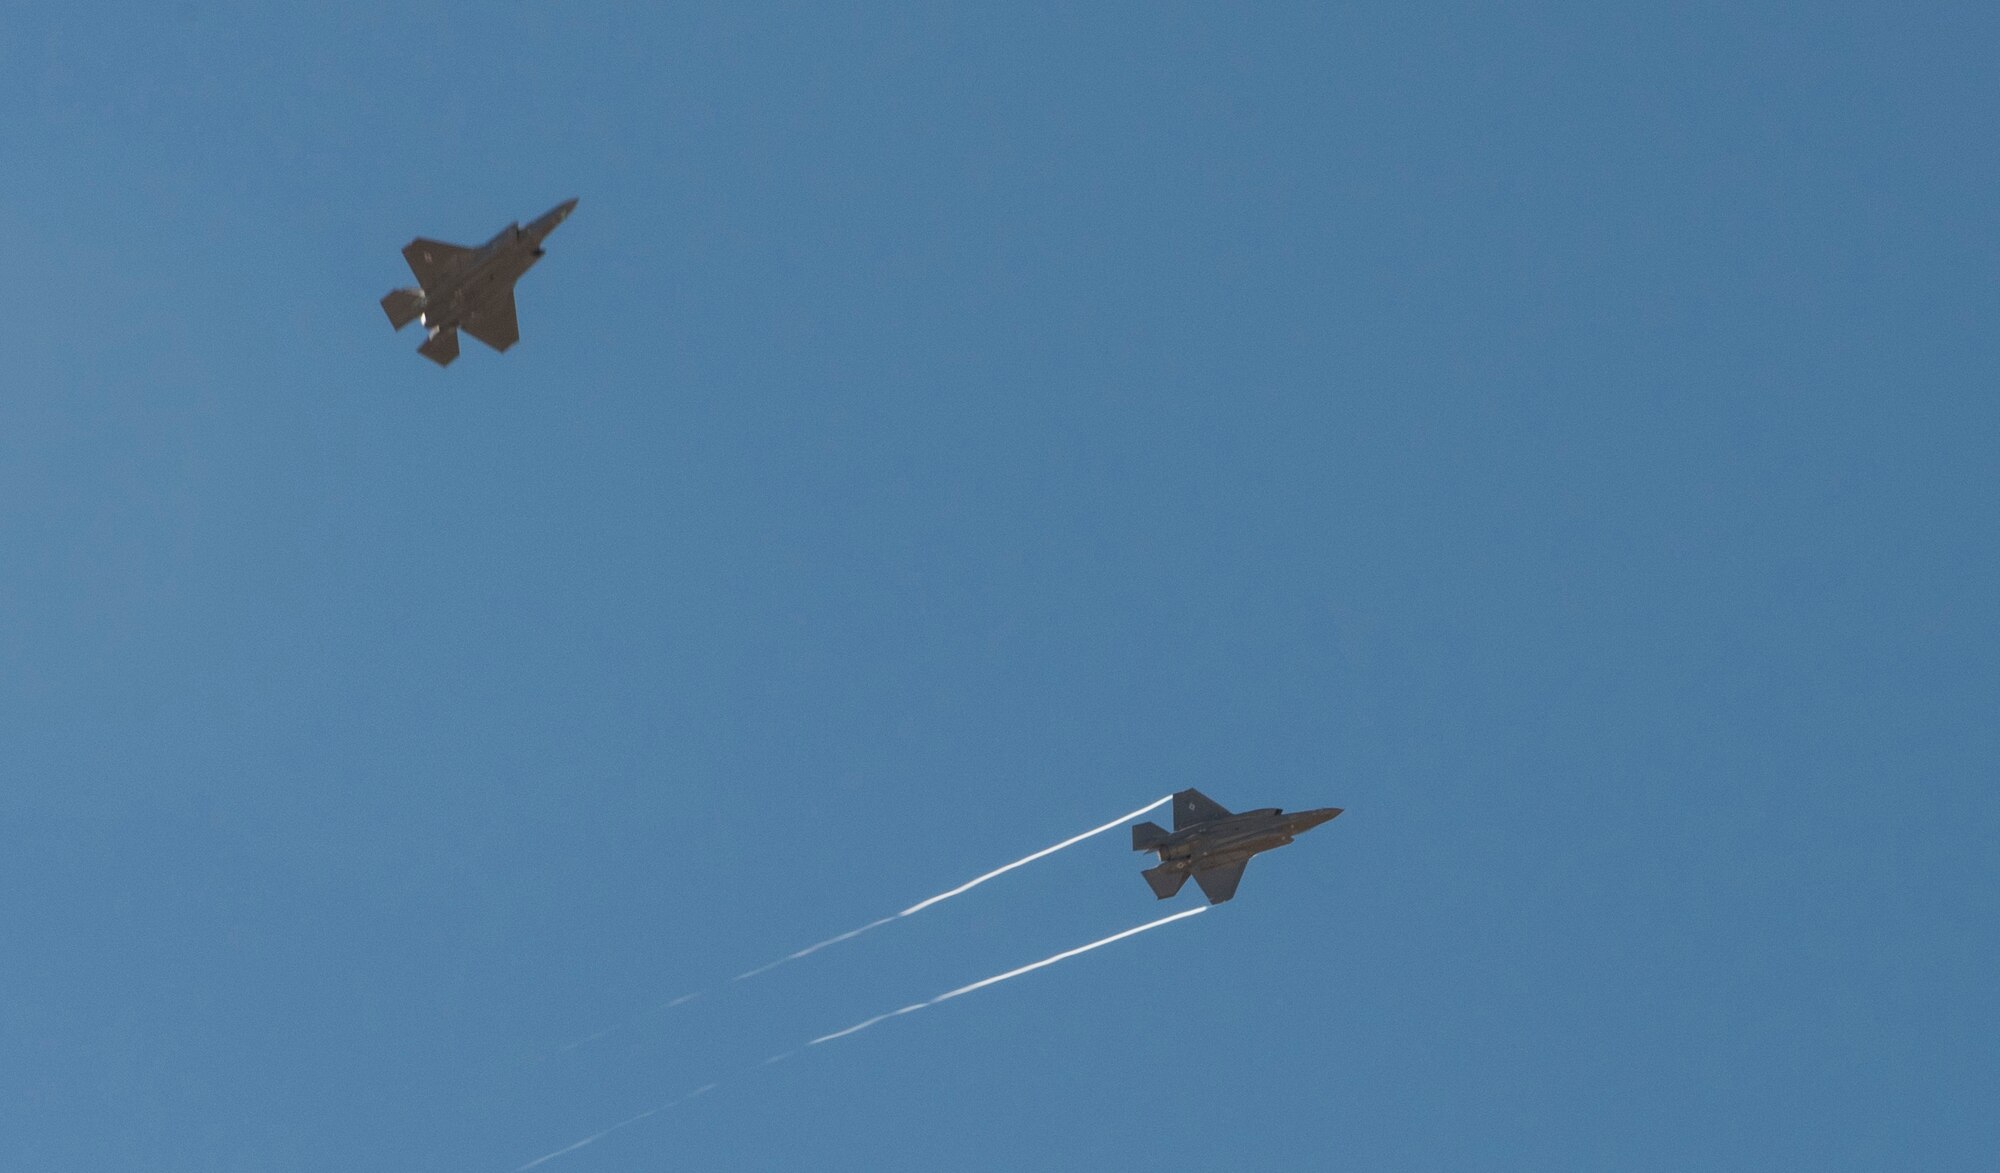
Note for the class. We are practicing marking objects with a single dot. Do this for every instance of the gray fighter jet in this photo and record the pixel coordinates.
(1214, 846)
(469, 287)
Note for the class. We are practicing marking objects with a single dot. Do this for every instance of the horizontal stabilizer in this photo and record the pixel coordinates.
(441, 348)
(1147, 836)
(1164, 881)
(403, 306)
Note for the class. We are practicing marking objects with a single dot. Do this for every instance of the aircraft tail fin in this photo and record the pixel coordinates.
(1192, 806)
(1147, 836)
(441, 347)
(403, 306)
(1164, 881)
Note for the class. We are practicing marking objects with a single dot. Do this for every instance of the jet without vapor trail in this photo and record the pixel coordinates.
(1214, 846)
(470, 287)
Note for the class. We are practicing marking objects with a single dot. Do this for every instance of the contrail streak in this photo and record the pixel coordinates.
(609, 1030)
(968, 886)
(996, 979)
(1065, 956)
(597, 1136)
(1070, 842)
(850, 934)
(858, 1027)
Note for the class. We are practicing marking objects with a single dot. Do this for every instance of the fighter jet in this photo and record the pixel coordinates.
(469, 287)
(1214, 846)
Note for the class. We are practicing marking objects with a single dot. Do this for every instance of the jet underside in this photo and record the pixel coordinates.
(1213, 846)
(469, 288)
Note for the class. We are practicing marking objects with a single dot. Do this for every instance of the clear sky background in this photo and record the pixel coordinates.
(1564, 435)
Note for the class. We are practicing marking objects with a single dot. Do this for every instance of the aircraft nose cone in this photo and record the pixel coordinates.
(1306, 820)
(565, 208)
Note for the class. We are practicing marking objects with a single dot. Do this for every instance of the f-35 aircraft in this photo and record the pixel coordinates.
(1214, 846)
(469, 287)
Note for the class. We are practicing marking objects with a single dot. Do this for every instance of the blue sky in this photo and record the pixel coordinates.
(1563, 435)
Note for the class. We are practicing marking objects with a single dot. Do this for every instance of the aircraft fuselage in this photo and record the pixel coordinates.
(470, 288)
(1212, 846)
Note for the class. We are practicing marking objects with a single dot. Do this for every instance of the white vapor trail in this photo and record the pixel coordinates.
(968, 886)
(597, 1136)
(849, 935)
(913, 909)
(996, 979)
(609, 1030)
(947, 996)
(1072, 841)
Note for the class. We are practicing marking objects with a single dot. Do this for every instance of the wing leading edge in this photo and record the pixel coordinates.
(432, 259)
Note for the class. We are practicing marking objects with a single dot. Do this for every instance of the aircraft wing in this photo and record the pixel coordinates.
(1192, 806)
(432, 259)
(1219, 884)
(492, 321)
